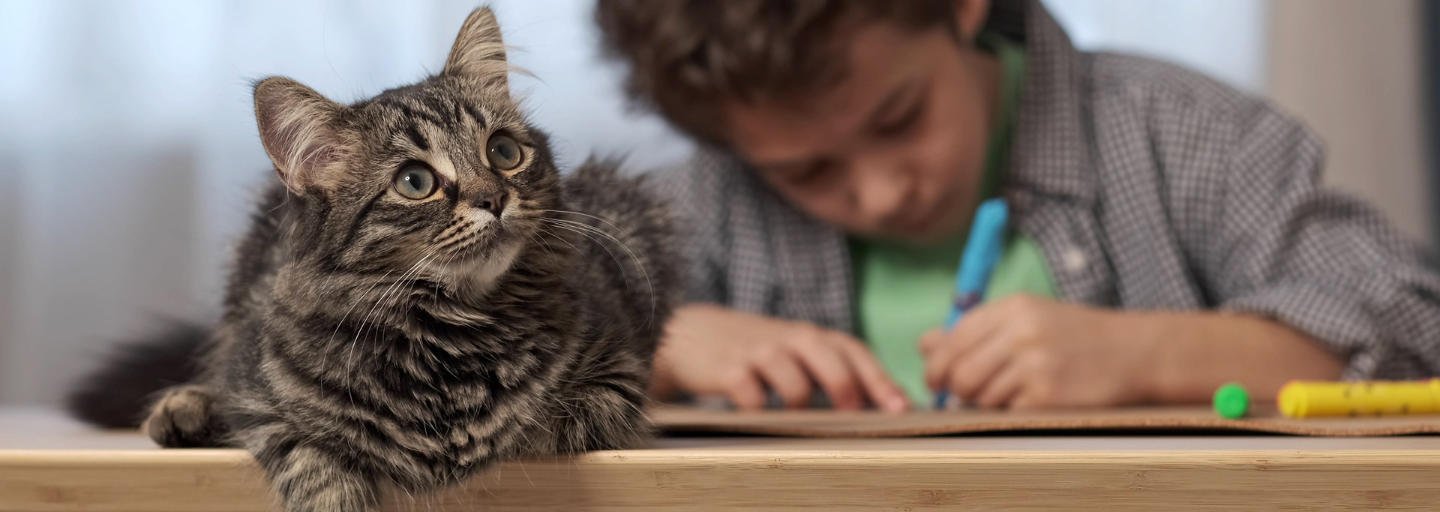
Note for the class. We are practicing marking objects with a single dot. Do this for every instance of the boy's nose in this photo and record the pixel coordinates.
(493, 203)
(879, 192)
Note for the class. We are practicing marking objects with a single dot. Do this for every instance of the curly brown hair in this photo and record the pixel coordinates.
(688, 57)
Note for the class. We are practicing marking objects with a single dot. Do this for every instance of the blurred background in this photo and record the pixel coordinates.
(128, 153)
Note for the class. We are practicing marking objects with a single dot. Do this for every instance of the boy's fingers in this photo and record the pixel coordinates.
(970, 372)
(980, 322)
(785, 376)
(1023, 401)
(1001, 389)
(829, 368)
(937, 366)
(743, 388)
(975, 328)
(931, 340)
(939, 363)
(878, 386)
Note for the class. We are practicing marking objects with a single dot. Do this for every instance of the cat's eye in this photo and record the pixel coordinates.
(503, 152)
(415, 181)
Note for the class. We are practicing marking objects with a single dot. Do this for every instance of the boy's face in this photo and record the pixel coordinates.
(895, 150)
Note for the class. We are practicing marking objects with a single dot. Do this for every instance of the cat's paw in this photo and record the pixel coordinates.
(313, 480)
(184, 418)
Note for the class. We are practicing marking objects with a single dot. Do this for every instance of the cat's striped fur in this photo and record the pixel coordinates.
(372, 340)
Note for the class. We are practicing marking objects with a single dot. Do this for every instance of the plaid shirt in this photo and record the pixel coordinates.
(1148, 187)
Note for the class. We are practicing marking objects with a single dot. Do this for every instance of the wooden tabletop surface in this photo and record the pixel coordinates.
(48, 462)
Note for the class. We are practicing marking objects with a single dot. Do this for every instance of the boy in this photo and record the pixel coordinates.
(1168, 234)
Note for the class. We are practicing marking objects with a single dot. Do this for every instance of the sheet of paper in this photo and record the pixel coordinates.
(818, 423)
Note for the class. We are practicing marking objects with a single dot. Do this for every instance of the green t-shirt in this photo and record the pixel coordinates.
(902, 291)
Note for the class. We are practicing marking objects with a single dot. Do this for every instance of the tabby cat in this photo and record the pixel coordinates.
(421, 294)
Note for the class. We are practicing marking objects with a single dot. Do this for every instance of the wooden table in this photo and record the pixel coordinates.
(50, 463)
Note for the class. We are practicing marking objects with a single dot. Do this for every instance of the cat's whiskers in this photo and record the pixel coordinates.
(541, 230)
(479, 274)
(459, 228)
(648, 285)
(567, 242)
(450, 259)
(326, 352)
(596, 217)
(461, 240)
(534, 230)
(600, 242)
(383, 297)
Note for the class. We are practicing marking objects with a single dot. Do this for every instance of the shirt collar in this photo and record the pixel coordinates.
(1050, 153)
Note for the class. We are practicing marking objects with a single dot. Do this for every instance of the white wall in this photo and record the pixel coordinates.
(1353, 71)
(1222, 38)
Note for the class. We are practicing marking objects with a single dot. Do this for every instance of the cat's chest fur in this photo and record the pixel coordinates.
(432, 349)
(437, 382)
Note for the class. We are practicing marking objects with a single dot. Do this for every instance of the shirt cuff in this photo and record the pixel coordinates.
(1339, 322)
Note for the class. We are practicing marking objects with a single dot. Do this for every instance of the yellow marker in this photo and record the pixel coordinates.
(1307, 399)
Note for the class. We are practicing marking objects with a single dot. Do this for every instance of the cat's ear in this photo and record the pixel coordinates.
(297, 127)
(479, 52)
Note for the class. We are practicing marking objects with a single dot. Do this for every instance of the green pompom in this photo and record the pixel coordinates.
(1231, 401)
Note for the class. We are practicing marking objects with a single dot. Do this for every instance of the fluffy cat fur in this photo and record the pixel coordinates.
(372, 339)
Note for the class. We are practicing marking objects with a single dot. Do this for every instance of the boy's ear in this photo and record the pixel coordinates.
(297, 127)
(970, 17)
(479, 52)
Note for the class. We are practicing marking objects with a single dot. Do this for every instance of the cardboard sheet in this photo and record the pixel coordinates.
(817, 423)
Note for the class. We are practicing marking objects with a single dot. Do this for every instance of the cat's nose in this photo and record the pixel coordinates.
(494, 203)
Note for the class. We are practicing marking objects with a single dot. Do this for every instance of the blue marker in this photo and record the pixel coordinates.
(982, 253)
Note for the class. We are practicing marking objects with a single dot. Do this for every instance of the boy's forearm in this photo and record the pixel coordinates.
(1197, 352)
(662, 386)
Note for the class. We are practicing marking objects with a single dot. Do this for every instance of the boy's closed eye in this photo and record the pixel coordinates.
(801, 172)
(901, 120)
(897, 122)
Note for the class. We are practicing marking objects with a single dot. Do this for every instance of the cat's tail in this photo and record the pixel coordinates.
(117, 394)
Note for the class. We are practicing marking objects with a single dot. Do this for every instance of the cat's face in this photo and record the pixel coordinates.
(446, 178)
(441, 176)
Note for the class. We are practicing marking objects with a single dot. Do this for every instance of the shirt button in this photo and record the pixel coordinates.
(1073, 259)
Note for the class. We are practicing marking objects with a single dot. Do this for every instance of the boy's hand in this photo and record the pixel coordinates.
(1026, 352)
(709, 350)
